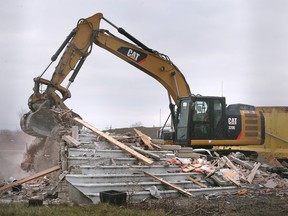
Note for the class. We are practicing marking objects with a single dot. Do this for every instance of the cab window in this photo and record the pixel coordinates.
(201, 125)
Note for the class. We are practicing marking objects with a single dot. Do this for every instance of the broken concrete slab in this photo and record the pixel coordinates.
(71, 141)
(270, 184)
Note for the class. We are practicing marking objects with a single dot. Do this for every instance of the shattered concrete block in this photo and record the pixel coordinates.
(270, 184)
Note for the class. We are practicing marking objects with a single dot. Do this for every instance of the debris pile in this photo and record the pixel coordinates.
(218, 168)
(234, 169)
(34, 187)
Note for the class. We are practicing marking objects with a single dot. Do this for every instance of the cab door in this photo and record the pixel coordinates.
(201, 119)
(182, 122)
(207, 120)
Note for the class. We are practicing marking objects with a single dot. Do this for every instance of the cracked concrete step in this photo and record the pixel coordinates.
(82, 152)
(76, 161)
(116, 178)
(88, 169)
(141, 195)
(130, 186)
(75, 152)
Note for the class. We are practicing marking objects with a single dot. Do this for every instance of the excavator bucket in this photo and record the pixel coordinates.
(39, 123)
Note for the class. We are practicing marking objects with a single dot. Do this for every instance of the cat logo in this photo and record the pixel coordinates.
(232, 121)
(135, 55)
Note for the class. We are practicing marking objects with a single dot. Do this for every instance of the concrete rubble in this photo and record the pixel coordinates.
(91, 166)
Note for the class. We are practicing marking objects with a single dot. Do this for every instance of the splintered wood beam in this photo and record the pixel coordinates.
(241, 162)
(186, 193)
(196, 182)
(253, 172)
(29, 178)
(230, 164)
(115, 142)
(144, 138)
(233, 181)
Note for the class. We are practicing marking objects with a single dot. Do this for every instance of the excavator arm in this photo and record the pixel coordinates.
(78, 45)
(151, 62)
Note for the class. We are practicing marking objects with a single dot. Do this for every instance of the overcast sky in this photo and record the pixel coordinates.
(235, 48)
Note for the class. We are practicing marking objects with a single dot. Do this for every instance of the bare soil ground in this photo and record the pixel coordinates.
(273, 202)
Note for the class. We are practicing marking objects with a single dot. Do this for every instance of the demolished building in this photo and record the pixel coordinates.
(87, 166)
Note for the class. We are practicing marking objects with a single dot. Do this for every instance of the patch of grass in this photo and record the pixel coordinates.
(65, 210)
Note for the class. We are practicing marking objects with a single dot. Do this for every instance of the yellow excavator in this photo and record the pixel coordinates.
(196, 120)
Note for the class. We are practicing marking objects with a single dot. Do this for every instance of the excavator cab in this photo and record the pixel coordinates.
(205, 121)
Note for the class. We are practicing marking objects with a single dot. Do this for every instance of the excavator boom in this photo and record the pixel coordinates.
(78, 46)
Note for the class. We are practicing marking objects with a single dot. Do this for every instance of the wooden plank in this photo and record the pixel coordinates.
(233, 181)
(188, 168)
(115, 142)
(241, 162)
(29, 178)
(196, 182)
(61, 177)
(144, 138)
(230, 164)
(253, 172)
(186, 193)
(245, 164)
